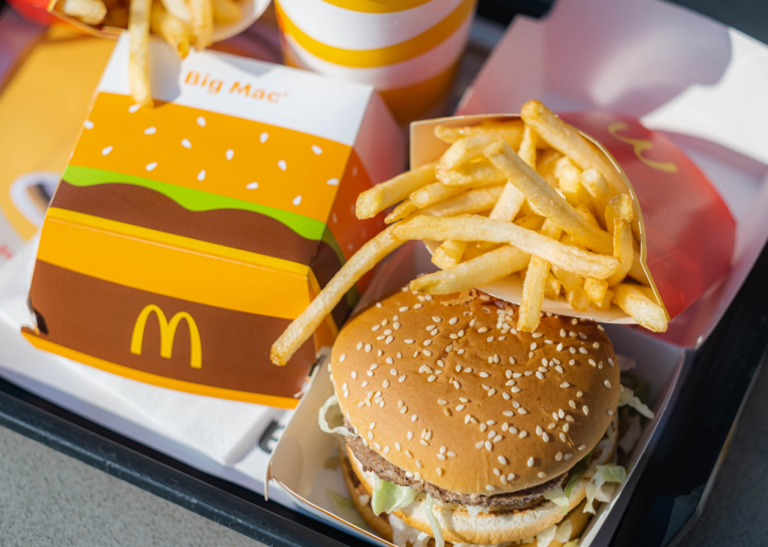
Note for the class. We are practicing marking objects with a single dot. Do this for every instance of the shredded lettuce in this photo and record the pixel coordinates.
(627, 397)
(631, 436)
(437, 530)
(604, 473)
(545, 537)
(388, 496)
(332, 400)
(578, 471)
(558, 497)
(611, 433)
(564, 531)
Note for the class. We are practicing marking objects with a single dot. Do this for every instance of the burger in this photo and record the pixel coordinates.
(458, 427)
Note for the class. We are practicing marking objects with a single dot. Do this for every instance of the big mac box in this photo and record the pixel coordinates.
(184, 238)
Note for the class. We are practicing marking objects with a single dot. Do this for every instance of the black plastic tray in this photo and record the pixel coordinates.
(715, 382)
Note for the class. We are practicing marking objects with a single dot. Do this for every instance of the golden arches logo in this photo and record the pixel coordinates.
(640, 146)
(167, 334)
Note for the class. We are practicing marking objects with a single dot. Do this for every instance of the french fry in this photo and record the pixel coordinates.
(511, 131)
(404, 210)
(474, 201)
(545, 166)
(546, 199)
(472, 273)
(619, 207)
(574, 288)
(449, 254)
(479, 228)
(567, 140)
(530, 222)
(572, 188)
(509, 204)
(373, 201)
(595, 289)
(527, 150)
(605, 305)
(622, 250)
(598, 188)
(179, 9)
(466, 149)
(434, 193)
(201, 21)
(552, 287)
(535, 285)
(632, 300)
(587, 215)
(356, 267)
(226, 11)
(174, 30)
(138, 61)
(91, 12)
(475, 173)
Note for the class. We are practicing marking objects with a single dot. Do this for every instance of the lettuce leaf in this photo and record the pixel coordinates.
(558, 497)
(564, 531)
(388, 496)
(545, 537)
(604, 473)
(627, 397)
(437, 530)
(578, 471)
(323, 422)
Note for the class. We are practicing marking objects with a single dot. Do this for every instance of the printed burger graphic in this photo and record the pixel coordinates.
(182, 241)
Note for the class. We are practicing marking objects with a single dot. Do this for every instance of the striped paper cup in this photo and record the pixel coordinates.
(408, 49)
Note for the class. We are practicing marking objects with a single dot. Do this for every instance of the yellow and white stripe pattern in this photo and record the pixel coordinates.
(408, 49)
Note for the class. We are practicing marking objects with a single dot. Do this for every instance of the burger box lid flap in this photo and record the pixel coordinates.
(227, 206)
(45, 12)
(691, 80)
(686, 243)
(305, 470)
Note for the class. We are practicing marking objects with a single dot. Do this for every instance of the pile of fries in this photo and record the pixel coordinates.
(182, 23)
(528, 197)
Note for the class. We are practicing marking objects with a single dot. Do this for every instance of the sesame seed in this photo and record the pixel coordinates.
(427, 352)
(399, 355)
(566, 427)
(490, 488)
(511, 477)
(456, 384)
(388, 331)
(432, 378)
(368, 348)
(568, 456)
(418, 306)
(512, 361)
(592, 362)
(542, 475)
(359, 345)
(488, 446)
(583, 350)
(569, 418)
(560, 413)
(496, 472)
(489, 339)
(516, 375)
(515, 404)
(440, 472)
(582, 447)
(408, 340)
(585, 409)
(377, 446)
(607, 383)
(442, 402)
(572, 350)
(385, 384)
(389, 340)
(579, 393)
(539, 375)
(565, 385)
(459, 408)
(545, 437)
(503, 479)
(572, 403)
(530, 355)
(479, 444)
(467, 369)
(563, 437)
(533, 346)
(559, 369)
(453, 320)
(610, 361)
(523, 434)
(531, 461)
(370, 435)
(409, 435)
(354, 375)
(543, 370)
(508, 413)
(449, 348)
(403, 308)
(425, 443)
(414, 417)
(369, 373)
(539, 431)
(572, 362)
(472, 322)
(460, 351)
(401, 379)
(482, 330)
(483, 427)
(409, 474)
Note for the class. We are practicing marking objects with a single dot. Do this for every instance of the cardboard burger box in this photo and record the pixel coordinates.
(183, 239)
(702, 233)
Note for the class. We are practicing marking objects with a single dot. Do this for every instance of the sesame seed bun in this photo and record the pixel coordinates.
(504, 422)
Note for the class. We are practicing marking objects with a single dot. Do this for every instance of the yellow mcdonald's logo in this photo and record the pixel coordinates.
(640, 146)
(167, 334)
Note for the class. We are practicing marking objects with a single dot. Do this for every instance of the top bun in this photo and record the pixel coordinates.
(444, 388)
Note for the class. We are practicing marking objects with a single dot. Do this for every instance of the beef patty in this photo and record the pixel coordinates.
(387, 471)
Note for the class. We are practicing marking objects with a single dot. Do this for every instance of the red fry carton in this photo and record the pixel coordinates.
(687, 232)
